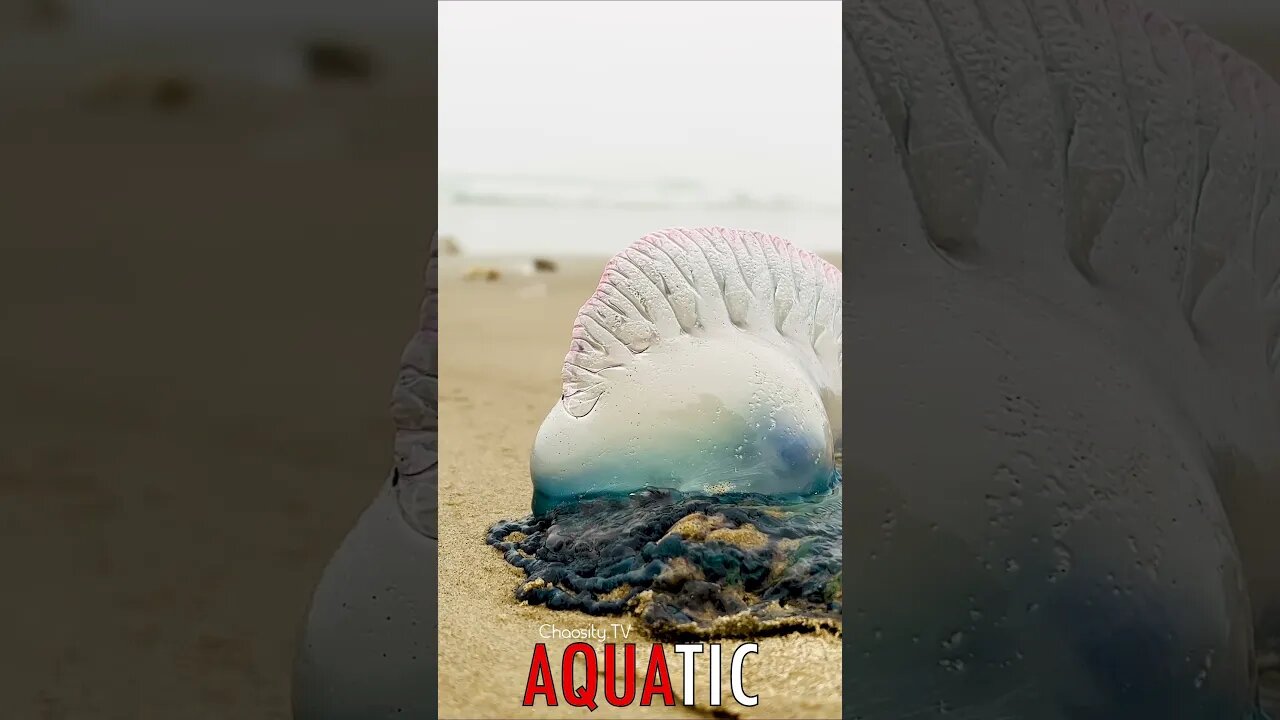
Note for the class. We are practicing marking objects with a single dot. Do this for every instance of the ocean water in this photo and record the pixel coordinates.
(505, 215)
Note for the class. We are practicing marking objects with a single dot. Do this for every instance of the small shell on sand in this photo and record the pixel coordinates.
(487, 274)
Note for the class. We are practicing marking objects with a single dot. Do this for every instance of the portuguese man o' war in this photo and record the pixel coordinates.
(706, 361)
(689, 474)
(1063, 462)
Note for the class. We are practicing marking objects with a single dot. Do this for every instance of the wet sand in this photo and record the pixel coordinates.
(501, 347)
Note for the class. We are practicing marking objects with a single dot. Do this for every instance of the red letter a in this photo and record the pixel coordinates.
(657, 671)
(539, 682)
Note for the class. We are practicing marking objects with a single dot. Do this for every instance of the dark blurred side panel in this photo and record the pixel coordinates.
(1258, 42)
(1250, 27)
(213, 226)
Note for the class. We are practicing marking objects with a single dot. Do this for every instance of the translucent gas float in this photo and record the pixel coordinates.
(707, 361)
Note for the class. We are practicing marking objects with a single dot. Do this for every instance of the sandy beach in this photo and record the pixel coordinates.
(501, 347)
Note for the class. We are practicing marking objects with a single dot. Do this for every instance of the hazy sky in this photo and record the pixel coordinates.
(744, 95)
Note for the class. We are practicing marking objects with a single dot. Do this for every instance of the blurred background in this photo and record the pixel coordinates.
(213, 226)
(622, 118)
(1252, 27)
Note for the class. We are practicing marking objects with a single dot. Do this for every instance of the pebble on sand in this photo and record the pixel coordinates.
(487, 274)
